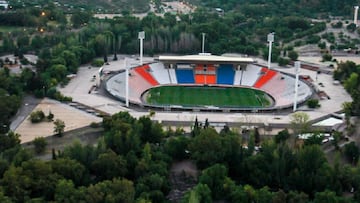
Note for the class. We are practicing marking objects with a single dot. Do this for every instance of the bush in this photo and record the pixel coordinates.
(327, 57)
(24, 61)
(283, 61)
(313, 103)
(97, 62)
(337, 24)
(50, 116)
(39, 144)
(37, 116)
(293, 55)
(94, 125)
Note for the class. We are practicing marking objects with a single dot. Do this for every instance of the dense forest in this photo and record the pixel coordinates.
(132, 161)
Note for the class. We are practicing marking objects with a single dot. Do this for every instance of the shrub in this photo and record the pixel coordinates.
(313, 103)
(293, 55)
(37, 116)
(97, 62)
(40, 144)
(94, 125)
(283, 61)
(327, 57)
(50, 116)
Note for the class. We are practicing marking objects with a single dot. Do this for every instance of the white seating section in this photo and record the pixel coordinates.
(250, 75)
(159, 72)
(237, 77)
(172, 74)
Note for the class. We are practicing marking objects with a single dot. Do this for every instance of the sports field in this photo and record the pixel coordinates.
(207, 96)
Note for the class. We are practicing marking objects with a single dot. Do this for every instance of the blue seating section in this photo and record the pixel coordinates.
(225, 74)
(185, 76)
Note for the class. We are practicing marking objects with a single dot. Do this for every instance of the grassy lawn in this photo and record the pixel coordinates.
(212, 96)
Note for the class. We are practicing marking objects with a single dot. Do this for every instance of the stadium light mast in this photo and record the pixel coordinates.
(126, 83)
(270, 39)
(356, 15)
(203, 43)
(297, 70)
(141, 37)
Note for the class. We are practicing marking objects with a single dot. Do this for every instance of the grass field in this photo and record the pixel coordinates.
(207, 96)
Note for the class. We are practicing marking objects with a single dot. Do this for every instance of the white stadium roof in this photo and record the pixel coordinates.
(205, 58)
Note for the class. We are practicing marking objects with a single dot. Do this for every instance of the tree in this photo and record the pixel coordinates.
(351, 27)
(176, 147)
(352, 152)
(37, 116)
(282, 136)
(116, 190)
(71, 170)
(214, 177)
(80, 18)
(66, 192)
(293, 55)
(347, 107)
(59, 127)
(40, 144)
(326, 196)
(300, 122)
(206, 148)
(351, 83)
(200, 193)
(313, 103)
(11, 140)
(327, 57)
(105, 164)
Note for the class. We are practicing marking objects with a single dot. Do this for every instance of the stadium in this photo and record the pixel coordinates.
(207, 82)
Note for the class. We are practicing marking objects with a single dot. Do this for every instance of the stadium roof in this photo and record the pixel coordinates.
(205, 58)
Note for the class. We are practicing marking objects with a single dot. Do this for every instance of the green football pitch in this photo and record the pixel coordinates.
(208, 96)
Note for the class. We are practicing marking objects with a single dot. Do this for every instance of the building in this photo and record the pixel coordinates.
(4, 4)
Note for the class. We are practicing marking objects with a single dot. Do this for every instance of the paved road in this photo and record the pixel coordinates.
(28, 104)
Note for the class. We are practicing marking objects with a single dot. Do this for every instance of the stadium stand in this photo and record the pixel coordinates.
(160, 74)
(211, 79)
(172, 75)
(144, 72)
(267, 74)
(200, 79)
(237, 77)
(185, 76)
(137, 85)
(225, 74)
(281, 87)
(250, 75)
(205, 79)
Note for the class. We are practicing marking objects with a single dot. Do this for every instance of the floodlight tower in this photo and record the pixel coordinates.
(141, 37)
(270, 39)
(297, 70)
(203, 43)
(356, 14)
(126, 83)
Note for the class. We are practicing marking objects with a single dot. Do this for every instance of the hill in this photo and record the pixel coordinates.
(102, 6)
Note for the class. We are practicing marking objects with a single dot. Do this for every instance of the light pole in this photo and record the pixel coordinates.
(297, 70)
(126, 83)
(203, 43)
(141, 37)
(270, 39)
(356, 14)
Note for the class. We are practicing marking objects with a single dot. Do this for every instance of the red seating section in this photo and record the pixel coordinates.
(205, 79)
(205, 75)
(267, 75)
(144, 72)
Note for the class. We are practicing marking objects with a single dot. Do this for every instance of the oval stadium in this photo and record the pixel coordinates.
(207, 82)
